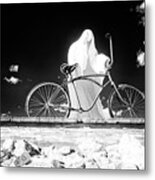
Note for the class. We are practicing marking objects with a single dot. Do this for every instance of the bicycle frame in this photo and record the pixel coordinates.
(89, 78)
(66, 106)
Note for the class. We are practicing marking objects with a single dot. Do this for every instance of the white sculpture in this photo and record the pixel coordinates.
(12, 80)
(141, 59)
(14, 68)
(84, 52)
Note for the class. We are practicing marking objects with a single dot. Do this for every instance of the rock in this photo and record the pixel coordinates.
(2, 154)
(66, 150)
(8, 145)
(69, 160)
(91, 164)
(73, 160)
(40, 161)
(5, 155)
(49, 152)
(32, 148)
(22, 160)
(88, 146)
(114, 155)
(78, 165)
(131, 151)
(8, 162)
(22, 145)
(58, 164)
(127, 154)
(19, 148)
(111, 148)
(101, 159)
(6, 151)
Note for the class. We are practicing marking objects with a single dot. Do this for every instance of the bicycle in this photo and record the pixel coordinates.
(50, 99)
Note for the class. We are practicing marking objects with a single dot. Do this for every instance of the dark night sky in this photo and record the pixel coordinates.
(37, 37)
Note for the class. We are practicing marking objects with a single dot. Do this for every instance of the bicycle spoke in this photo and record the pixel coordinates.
(41, 95)
(135, 98)
(61, 99)
(35, 106)
(56, 92)
(141, 101)
(44, 98)
(139, 109)
(46, 92)
(135, 106)
(130, 113)
(36, 100)
(128, 95)
(125, 112)
(134, 113)
(38, 111)
(49, 112)
(45, 112)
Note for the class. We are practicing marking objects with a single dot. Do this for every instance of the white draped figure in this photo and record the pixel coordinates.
(84, 52)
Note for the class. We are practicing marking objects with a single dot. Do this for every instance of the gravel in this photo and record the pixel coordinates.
(73, 148)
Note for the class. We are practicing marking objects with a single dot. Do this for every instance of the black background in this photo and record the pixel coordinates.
(37, 37)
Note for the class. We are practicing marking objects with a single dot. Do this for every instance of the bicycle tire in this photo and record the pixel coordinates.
(134, 106)
(47, 99)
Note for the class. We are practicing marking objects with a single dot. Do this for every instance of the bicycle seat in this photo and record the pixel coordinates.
(68, 69)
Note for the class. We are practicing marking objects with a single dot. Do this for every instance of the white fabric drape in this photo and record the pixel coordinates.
(84, 52)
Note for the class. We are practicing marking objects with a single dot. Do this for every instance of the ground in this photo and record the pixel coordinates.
(82, 147)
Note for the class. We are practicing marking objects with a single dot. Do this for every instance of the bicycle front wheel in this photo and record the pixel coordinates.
(132, 104)
(47, 100)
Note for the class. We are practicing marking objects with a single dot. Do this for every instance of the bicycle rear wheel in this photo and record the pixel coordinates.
(47, 100)
(133, 105)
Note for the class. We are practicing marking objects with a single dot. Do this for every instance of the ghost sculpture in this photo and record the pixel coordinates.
(84, 52)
